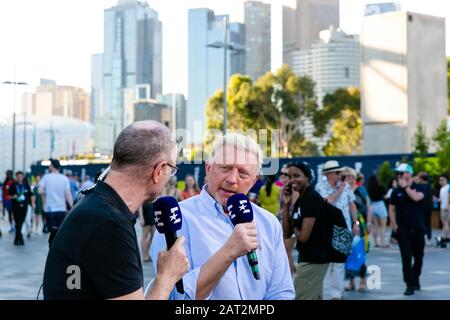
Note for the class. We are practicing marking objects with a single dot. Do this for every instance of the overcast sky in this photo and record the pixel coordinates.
(55, 38)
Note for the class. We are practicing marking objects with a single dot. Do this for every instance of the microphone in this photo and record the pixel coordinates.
(167, 221)
(241, 211)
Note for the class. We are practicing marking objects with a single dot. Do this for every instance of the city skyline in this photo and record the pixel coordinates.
(62, 46)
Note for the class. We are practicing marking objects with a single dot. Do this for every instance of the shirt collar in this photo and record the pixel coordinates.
(113, 198)
(209, 201)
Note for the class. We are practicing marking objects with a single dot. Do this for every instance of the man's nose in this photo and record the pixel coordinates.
(232, 177)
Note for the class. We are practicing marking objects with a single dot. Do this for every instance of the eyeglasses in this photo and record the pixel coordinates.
(174, 169)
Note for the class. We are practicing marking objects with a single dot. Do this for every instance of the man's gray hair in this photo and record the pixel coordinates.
(142, 144)
(240, 142)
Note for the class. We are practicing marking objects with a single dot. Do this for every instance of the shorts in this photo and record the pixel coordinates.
(445, 215)
(379, 210)
(149, 216)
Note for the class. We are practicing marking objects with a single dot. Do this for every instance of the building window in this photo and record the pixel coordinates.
(347, 72)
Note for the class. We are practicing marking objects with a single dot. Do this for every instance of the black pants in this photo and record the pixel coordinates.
(428, 214)
(19, 217)
(411, 243)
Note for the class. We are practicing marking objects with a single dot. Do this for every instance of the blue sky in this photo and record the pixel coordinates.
(55, 38)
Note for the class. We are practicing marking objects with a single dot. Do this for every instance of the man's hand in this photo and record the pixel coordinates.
(394, 227)
(173, 264)
(242, 240)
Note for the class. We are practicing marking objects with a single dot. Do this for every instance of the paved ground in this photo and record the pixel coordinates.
(21, 270)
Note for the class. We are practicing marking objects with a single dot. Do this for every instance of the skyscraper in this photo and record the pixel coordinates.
(96, 86)
(206, 64)
(177, 102)
(303, 21)
(132, 57)
(332, 62)
(403, 79)
(257, 36)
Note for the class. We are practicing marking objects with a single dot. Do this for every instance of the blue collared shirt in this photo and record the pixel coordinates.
(206, 229)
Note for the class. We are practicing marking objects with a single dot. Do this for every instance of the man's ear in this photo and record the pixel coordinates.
(207, 167)
(156, 173)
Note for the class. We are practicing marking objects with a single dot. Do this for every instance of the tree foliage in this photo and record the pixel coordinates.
(346, 134)
(274, 101)
(385, 173)
(421, 143)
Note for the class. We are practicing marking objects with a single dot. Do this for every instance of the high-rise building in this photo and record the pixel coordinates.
(177, 103)
(153, 110)
(206, 63)
(257, 36)
(96, 87)
(302, 22)
(332, 62)
(403, 79)
(132, 56)
(51, 99)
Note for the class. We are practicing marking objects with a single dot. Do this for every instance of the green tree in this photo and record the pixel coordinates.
(333, 104)
(277, 100)
(441, 138)
(346, 134)
(385, 173)
(420, 141)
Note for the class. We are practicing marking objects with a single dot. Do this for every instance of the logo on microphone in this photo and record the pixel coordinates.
(158, 219)
(242, 207)
(174, 216)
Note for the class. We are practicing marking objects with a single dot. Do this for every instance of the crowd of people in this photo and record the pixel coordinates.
(291, 212)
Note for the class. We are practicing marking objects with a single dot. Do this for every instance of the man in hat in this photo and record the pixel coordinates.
(406, 213)
(55, 190)
(338, 193)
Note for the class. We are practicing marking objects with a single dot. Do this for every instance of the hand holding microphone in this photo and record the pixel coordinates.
(168, 221)
(244, 238)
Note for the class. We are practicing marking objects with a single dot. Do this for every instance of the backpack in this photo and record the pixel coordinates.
(339, 238)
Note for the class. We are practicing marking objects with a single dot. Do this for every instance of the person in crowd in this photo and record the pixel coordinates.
(87, 183)
(56, 196)
(99, 234)
(269, 196)
(38, 209)
(444, 207)
(379, 211)
(283, 178)
(21, 197)
(171, 189)
(364, 208)
(391, 187)
(290, 242)
(190, 187)
(73, 182)
(6, 199)
(308, 223)
(217, 250)
(423, 179)
(338, 193)
(406, 211)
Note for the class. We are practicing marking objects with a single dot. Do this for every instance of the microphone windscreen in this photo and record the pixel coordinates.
(167, 214)
(240, 208)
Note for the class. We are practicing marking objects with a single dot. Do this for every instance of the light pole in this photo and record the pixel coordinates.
(14, 83)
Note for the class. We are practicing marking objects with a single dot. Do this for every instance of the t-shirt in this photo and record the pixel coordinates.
(270, 203)
(96, 243)
(443, 197)
(23, 192)
(311, 205)
(55, 186)
(409, 213)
